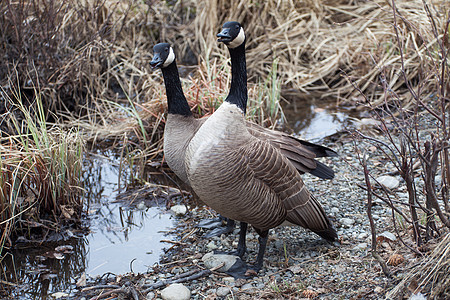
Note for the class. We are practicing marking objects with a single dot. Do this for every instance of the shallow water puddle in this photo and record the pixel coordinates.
(314, 119)
(122, 238)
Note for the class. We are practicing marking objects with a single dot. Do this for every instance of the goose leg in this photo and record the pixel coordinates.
(263, 237)
(241, 247)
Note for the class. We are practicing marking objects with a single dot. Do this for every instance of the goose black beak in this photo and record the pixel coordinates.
(157, 61)
(224, 36)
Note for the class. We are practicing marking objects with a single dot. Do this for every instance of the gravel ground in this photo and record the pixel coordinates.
(298, 264)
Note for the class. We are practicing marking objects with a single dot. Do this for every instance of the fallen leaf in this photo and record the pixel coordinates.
(309, 294)
(395, 259)
(82, 281)
(64, 249)
(67, 211)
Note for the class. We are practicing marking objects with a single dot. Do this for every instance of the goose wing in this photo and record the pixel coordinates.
(300, 153)
(272, 169)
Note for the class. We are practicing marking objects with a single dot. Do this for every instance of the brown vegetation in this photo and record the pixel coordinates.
(83, 65)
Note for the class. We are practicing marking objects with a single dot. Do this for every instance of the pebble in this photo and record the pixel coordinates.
(334, 210)
(150, 296)
(389, 235)
(211, 246)
(179, 210)
(228, 280)
(362, 235)
(222, 291)
(360, 246)
(248, 288)
(389, 182)
(176, 291)
(141, 206)
(212, 260)
(347, 221)
(58, 295)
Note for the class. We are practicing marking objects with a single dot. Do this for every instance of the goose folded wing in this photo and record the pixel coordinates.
(300, 153)
(271, 168)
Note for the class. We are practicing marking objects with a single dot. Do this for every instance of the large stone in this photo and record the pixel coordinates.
(176, 291)
(212, 260)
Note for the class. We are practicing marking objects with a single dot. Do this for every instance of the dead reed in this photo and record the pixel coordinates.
(40, 178)
(315, 40)
(428, 277)
(84, 65)
(414, 139)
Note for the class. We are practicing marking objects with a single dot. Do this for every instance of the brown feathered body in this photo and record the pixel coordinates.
(248, 179)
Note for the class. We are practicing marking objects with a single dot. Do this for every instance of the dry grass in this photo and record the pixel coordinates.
(40, 176)
(431, 276)
(315, 40)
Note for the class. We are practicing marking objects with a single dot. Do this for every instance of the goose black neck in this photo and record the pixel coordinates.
(176, 101)
(238, 90)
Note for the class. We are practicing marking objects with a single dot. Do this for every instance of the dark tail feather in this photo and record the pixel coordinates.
(322, 171)
(328, 234)
(320, 151)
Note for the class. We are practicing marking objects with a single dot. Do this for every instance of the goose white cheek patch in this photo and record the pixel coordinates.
(170, 58)
(238, 40)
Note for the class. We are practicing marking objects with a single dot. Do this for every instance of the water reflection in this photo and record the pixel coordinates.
(314, 119)
(120, 238)
(39, 272)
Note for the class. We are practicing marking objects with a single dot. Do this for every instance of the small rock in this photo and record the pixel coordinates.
(212, 260)
(141, 206)
(58, 295)
(248, 288)
(378, 290)
(362, 235)
(347, 221)
(228, 280)
(389, 236)
(222, 291)
(179, 210)
(296, 268)
(211, 246)
(403, 195)
(389, 182)
(360, 246)
(334, 210)
(176, 291)
(150, 296)
(418, 296)
(279, 244)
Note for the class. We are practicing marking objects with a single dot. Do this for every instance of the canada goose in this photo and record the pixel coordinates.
(242, 176)
(181, 127)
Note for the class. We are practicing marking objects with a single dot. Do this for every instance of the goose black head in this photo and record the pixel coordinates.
(163, 55)
(232, 34)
